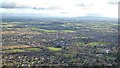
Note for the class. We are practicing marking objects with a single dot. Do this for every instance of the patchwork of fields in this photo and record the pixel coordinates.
(67, 42)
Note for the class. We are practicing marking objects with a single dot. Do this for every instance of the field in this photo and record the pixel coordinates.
(54, 49)
(57, 41)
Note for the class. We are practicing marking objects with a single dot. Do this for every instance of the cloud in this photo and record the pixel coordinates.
(15, 5)
(114, 2)
(64, 12)
(61, 7)
(82, 5)
(93, 14)
(47, 8)
(8, 5)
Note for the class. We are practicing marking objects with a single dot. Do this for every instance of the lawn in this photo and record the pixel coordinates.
(32, 49)
(34, 28)
(46, 31)
(29, 49)
(96, 43)
(54, 48)
(79, 43)
(68, 31)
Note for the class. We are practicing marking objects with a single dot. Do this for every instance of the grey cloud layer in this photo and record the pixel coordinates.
(60, 7)
(9, 5)
(48, 8)
(82, 5)
(113, 2)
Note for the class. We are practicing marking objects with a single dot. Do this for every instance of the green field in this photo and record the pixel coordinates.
(79, 43)
(13, 50)
(31, 49)
(54, 48)
(90, 44)
(96, 43)
(68, 31)
(34, 28)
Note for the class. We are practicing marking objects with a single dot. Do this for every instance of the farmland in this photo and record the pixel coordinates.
(57, 41)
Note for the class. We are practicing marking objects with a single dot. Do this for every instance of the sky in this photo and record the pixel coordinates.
(63, 8)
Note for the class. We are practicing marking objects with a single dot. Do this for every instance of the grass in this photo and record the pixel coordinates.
(116, 24)
(67, 55)
(79, 43)
(66, 31)
(49, 31)
(70, 55)
(34, 28)
(90, 44)
(13, 50)
(32, 49)
(54, 48)
(82, 37)
(96, 43)
(44, 30)
(52, 31)
(15, 46)
(8, 24)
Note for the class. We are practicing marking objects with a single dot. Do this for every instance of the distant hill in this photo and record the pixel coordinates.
(93, 17)
(22, 17)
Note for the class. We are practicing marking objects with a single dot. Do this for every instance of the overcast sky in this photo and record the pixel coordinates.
(67, 8)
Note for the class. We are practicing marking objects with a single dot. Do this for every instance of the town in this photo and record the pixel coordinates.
(58, 41)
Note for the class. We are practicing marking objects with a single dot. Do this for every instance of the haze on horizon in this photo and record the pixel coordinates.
(62, 8)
